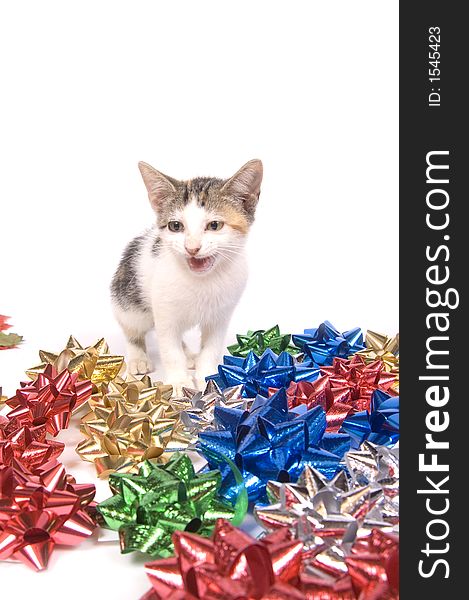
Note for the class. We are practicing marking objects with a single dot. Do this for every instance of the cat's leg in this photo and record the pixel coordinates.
(173, 357)
(190, 356)
(138, 360)
(135, 325)
(213, 337)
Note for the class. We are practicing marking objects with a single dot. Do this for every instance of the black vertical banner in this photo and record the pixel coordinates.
(434, 263)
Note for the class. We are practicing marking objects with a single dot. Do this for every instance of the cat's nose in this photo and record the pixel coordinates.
(192, 250)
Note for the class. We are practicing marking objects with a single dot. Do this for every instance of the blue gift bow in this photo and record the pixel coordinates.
(270, 442)
(380, 425)
(259, 373)
(325, 342)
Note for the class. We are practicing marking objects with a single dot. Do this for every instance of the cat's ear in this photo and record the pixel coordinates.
(245, 185)
(160, 187)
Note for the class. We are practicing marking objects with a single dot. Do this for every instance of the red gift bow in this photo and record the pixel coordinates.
(50, 400)
(232, 565)
(27, 447)
(369, 572)
(40, 505)
(39, 511)
(360, 378)
(374, 566)
(321, 393)
(343, 388)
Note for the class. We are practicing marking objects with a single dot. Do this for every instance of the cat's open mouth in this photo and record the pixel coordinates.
(200, 265)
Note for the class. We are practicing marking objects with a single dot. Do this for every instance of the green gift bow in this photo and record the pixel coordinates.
(147, 508)
(260, 340)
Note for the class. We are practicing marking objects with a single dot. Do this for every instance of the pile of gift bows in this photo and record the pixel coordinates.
(300, 430)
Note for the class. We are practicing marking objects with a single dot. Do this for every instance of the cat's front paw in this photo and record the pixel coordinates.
(140, 366)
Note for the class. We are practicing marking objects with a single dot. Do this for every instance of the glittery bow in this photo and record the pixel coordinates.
(135, 421)
(41, 510)
(379, 425)
(368, 570)
(147, 508)
(358, 380)
(270, 442)
(27, 446)
(321, 511)
(377, 466)
(231, 565)
(49, 400)
(321, 393)
(336, 519)
(343, 389)
(92, 362)
(322, 344)
(197, 407)
(259, 373)
(7, 340)
(258, 341)
(385, 349)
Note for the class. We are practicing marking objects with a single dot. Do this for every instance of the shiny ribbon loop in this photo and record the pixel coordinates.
(41, 510)
(41, 507)
(197, 407)
(49, 400)
(148, 507)
(379, 346)
(268, 441)
(258, 341)
(318, 510)
(343, 389)
(323, 343)
(93, 363)
(136, 420)
(231, 565)
(347, 525)
(27, 446)
(379, 425)
(259, 373)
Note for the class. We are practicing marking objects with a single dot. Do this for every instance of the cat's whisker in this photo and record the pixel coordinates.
(233, 247)
(226, 257)
(232, 252)
(230, 249)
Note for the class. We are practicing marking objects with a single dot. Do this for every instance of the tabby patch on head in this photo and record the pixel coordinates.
(202, 219)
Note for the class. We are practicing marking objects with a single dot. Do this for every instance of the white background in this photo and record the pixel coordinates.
(194, 88)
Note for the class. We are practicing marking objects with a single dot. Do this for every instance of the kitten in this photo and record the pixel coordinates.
(188, 270)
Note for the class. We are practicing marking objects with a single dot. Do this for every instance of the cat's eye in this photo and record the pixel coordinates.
(175, 226)
(215, 225)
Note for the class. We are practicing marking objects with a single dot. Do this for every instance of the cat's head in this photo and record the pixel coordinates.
(204, 221)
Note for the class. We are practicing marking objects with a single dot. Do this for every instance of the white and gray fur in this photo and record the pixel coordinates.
(155, 285)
